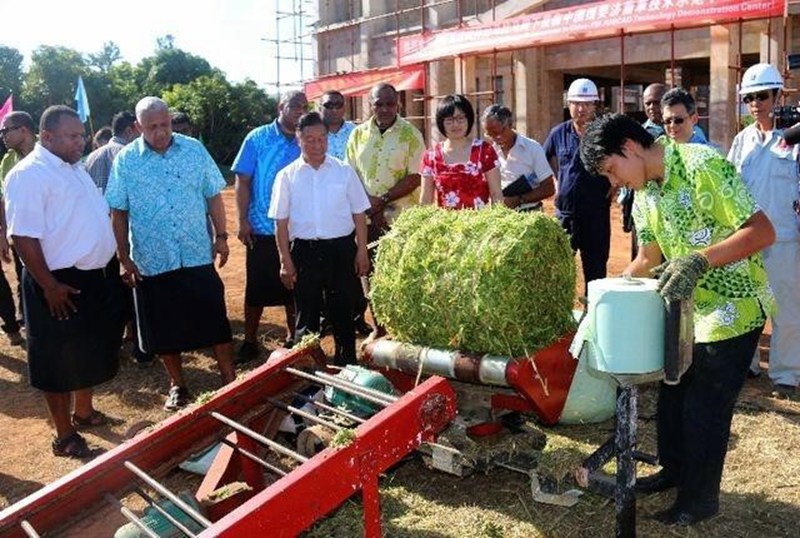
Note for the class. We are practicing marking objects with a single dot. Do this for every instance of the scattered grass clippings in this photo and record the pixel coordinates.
(204, 397)
(307, 341)
(493, 280)
(344, 437)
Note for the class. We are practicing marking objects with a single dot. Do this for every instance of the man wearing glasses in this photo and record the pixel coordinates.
(338, 129)
(265, 151)
(679, 115)
(769, 169)
(19, 136)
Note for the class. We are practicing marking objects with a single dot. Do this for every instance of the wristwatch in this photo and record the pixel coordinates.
(385, 198)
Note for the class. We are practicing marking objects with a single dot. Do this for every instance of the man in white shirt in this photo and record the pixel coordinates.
(319, 205)
(525, 174)
(60, 225)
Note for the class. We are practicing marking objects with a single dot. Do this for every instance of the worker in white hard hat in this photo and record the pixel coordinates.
(770, 170)
(582, 200)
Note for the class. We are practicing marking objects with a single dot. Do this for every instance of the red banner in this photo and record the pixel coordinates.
(588, 21)
(360, 83)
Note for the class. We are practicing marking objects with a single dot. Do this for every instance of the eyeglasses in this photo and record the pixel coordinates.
(761, 96)
(677, 120)
(455, 119)
(333, 104)
(7, 130)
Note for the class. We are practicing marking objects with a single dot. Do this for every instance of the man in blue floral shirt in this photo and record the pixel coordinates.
(160, 188)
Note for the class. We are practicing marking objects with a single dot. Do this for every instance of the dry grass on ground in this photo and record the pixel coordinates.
(760, 489)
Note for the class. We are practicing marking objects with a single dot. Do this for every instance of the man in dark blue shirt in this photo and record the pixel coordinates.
(582, 200)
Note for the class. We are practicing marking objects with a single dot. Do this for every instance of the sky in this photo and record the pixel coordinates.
(231, 35)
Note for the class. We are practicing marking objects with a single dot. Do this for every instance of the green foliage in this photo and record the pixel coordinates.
(10, 72)
(223, 113)
(493, 280)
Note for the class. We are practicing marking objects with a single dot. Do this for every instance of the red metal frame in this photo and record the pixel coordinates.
(285, 508)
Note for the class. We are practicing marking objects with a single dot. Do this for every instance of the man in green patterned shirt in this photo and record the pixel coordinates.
(692, 207)
(386, 152)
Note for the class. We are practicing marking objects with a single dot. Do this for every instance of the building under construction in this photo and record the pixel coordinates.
(524, 53)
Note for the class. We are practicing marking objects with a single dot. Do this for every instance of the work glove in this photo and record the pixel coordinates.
(677, 278)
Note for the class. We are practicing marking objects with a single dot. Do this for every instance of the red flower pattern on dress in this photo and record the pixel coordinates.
(461, 185)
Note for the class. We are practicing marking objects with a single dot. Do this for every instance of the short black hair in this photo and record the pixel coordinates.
(606, 135)
(447, 107)
(679, 96)
(309, 120)
(121, 121)
(20, 118)
(498, 112)
(332, 93)
(51, 117)
(103, 135)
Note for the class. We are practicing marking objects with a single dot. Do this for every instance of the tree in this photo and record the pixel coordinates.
(223, 113)
(169, 66)
(51, 78)
(106, 58)
(11, 73)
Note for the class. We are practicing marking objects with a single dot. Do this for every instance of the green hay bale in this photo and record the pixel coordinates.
(492, 280)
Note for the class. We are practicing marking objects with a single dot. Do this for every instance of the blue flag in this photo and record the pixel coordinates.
(82, 102)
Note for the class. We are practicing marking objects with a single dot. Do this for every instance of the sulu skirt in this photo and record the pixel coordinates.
(181, 310)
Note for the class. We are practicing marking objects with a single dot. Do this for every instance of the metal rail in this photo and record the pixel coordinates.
(340, 384)
(249, 455)
(277, 447)
(169, 517)
(388, 398)
(29, 530)
(130, 516)
(308, 416)
(153, 483)
(330, 408)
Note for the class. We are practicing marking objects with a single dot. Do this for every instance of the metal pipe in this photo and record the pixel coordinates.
(407, 358)
(672, 53)
(150, 481)
(339, 385)
(340, 25)
(622, 73)
(249, 455)
(139, 491)
(388, 398)
(330, 408)
(308, 416)
(28, 529)
(277, 447)
(130, 516)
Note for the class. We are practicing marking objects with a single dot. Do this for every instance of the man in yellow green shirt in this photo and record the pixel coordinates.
(386, 152)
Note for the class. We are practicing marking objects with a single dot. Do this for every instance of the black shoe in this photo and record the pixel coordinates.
(660, 481)
(363, 328)
(325, 327)
(682, 518)
(143, 360)
(248, 352)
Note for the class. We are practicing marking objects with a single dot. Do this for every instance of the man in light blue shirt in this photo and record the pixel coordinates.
(160, 187)
(338, 129)
(265, 151)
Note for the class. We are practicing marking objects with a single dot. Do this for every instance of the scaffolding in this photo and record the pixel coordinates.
(294, 44)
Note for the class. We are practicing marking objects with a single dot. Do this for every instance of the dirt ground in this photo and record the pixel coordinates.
(761, 486)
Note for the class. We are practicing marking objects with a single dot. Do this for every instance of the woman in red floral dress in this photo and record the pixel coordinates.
(461, 172)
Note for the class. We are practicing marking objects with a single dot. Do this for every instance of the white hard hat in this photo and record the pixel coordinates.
(760, 77)
(582, 90)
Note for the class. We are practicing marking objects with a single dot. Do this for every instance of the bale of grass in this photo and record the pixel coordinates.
(492, 281)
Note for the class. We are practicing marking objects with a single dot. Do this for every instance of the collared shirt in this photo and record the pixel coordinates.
(769, 169)
(319, 203)
(264, 152)
(98, 163)
(653, 128)
(578, 190)
(382, 160)
(525, 158)
(703, 201)
(165, 196)
(337, 142)
(58, 204)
